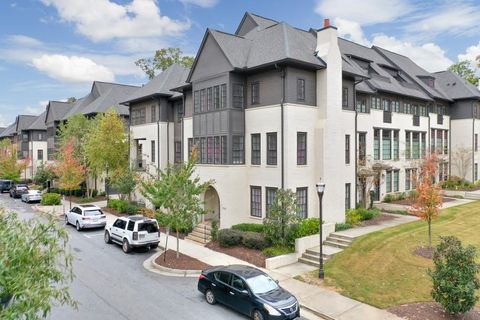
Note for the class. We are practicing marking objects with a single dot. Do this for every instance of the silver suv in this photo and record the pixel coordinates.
(133, 232)
(86, 216)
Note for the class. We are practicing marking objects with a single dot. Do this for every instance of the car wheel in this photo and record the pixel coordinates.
(66, 220)
(126, 246)
(210, 297)
(77, 225)
(107, 238)
(154, 246)
(257, 315)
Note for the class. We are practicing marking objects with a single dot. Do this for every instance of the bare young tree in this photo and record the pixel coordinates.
(462, 161)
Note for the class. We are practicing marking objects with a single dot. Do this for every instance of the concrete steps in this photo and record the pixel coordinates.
(201, 233)
(334, 244)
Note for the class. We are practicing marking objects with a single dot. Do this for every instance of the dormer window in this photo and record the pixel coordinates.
(429, 81)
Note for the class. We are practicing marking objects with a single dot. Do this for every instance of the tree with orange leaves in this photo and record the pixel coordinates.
(70, 171)
(10, 166)
(428, 201)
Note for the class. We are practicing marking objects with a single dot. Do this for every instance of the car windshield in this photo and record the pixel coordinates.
(150, 227)
(91, 213)
(261, 284)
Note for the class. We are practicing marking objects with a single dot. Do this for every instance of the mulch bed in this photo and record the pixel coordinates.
(255, 257)
(408, 202)
(377, 220)
(424, 252)
(183, 262)
(430, 311)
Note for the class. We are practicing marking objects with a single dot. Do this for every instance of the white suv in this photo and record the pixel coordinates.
(86, 216)
(133, 232)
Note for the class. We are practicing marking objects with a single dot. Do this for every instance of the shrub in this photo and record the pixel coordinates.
(131, 208)
(369, 214)
(229, 237)
(307, 227)
(352, 217)
(400, 196)
(118, 205)
(412, 195)
(455, 275)
(214, 230)
(342, 226)
(254, 227)
(149, 213)
(51, 199)
(94, 193)
(276, 251)
(254, 240)
(388, 198)
(282, 218)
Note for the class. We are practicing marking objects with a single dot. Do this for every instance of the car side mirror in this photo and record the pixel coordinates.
(245, 292)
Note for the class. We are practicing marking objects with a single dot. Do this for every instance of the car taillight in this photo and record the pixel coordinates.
(159, 233)
(135, 236)
(201, 277)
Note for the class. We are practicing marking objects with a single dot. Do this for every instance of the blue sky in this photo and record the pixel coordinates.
(54, 49)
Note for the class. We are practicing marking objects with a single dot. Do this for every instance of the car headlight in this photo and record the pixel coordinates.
(271, 310)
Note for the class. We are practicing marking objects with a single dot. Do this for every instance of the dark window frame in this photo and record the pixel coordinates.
(238, 149)
(255, 92)
(300, 89)
(256, 149)
(301, 195)
(301, 148)
(153, 151)
(348, 196)
(344, 97)
(347, 149)
(270, 194)
(272, 149)
(256, 201)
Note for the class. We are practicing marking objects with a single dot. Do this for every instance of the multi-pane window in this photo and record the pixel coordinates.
(209, 99)
(445, 142)
(152, 149)
(302, 203)
(386, 144)
(423, 111)
(396, 178)
(25, 137)
(407, 108)
(361, 104)
(347, 196)
(408, 173)
(270, 194)
(272, 148)
(238, 149)
(396, 145)
(216, 97)
(301, 148)
(386, 105)
(196, 101)
(408, 151)
(256, 201)
(203, 100)
(255, 90)
(347, 149)
(388, 181)
(178, 151)
(415, 145)
(153, 113)
(345, 98)
(217, 150)
(301, 89)
(424, 144)
(223, 96)
(40, 136)
(137, 116)
(210, 150)
(395, 106)
(203, 150)
(439, 141)
(376, 103)
(40, 154)
(237, 95)
(179, 114)
(223, 144)
(376, 144)
(432, 141)
(362, 146)
(256, 149)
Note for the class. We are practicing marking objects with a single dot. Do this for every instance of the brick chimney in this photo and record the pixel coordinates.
(326, 23)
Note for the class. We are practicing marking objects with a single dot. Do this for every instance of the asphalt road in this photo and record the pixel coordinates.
(110, 284)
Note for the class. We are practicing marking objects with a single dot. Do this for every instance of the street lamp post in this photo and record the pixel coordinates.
(320, 191)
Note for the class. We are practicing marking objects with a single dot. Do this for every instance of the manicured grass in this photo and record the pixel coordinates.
(380, 269)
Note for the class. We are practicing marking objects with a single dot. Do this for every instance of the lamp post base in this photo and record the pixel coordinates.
(321, 274)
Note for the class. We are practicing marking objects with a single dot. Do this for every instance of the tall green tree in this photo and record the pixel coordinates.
(464, 69)
(106, 147)
(176, 193)
(163, 59)
(35, 267)
(126, 182)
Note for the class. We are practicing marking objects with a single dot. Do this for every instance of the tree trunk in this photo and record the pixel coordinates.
(178, 245)
(70, 198)
(430, 233)
(166, 245)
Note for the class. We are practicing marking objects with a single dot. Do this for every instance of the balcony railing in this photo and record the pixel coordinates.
(387, 116)
(439, 119)
(416, 120)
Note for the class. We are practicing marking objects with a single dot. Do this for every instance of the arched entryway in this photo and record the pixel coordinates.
(212, 205)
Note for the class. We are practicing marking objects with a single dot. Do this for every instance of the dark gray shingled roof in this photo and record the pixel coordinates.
(102, 96)
(9, 131)
(414, 71)
(58, 109)
(455, 86)
(39, 123)
(173, 77)
(23, 122)
(379, 78)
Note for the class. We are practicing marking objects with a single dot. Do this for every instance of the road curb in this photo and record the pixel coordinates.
(152, 266)
(315, 312)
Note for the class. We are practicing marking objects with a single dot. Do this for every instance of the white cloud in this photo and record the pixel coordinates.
(200, 3)
(101, 20)
(429, 55)
(471, 53)
(364, 12)
(72, 68)
(23, 40)
(351, 30)
(3, 122)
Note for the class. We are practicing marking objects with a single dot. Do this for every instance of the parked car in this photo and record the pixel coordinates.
(86, 216)
(5, 185)
(31, 196)
(17, 190)
(249, 291)
(133, 232)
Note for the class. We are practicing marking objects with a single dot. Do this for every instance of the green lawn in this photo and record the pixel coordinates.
(380, 269)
